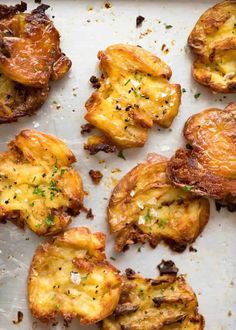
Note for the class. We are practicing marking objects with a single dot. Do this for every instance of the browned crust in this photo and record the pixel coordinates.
(75, 238)
(210, 52)
(33, 35)
(191, 167)
(138, 304)
(32, 148)
(128, 231)
(8, 11)
(126, 125)
(31, 100)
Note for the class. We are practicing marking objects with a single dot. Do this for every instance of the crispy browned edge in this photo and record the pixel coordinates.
(68, 317)
(167, 276)
(213, 185)
(133, 233)
(14, 216)
(196, 44)
(35, 98)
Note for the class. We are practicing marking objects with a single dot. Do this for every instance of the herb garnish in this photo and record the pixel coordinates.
(187, 188)
(50, 220)
(121, 155)
(39, 191)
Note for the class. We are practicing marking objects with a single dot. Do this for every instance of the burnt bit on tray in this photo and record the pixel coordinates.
(107, 5)
(93, 149)
(20, 316)
(192, 249)
(231, 207)
(86, 128)
(90, 214)
(95, 82)
(139, 20)
(96, 176)
(167, 267)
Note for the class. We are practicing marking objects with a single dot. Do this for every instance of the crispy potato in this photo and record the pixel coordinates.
(30, 46)
(144, 206)
(38, 186)
(208, 166)
(17, 100)
(166, 303)
(71, 276)
(134, 93)
(213, 40)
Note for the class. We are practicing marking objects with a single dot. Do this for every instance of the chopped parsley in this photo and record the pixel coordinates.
(162, 222)
(39, 191)
(53, 186)
(63, 170)
(31, 204)
(38, 225)
(187, 188)
(168, 26)
(55, 169)
(196, 96)
(147, 216)
(139, 249)
(113, 258)
(121, 155)
(50, 220)
(183, 90)
(126, 83)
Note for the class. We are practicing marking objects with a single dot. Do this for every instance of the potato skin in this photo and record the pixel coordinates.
(164, 303)
(214, 43)
(30, 47)
(37, 183)
(134, 93)
(17, 100)
(209, 167)
(51, 289)
(145, 206)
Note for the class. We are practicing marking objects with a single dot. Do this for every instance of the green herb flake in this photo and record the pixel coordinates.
(183, 90)
(127, 82)
(113, 258)
(187, 188)
(53, 186)
(55, 169)
(39, 191)
(121, 155)
(38, 225)
(162, 222)
(196, 96)
(139, 249)
(147, 216)
(63, 170)
(34, 179)
(31, 204)
(50, 220)
(168, 26)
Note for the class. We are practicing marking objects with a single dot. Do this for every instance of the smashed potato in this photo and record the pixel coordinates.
(144, 206)
(71, 276)
(134, 93)
(17, 100)
(38, 186)
(208, 166)
(30, 46)
(213, 40)
(165, 303)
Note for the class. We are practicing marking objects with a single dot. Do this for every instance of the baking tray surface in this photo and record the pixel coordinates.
(87, 27)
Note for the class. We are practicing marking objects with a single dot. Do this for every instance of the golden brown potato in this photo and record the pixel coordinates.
(71, 276)
(165, 303)
(208, 166)
(134, 93)
(144, 206)
(213, 40)
(17, 100)
(38, 186)
(30, 46)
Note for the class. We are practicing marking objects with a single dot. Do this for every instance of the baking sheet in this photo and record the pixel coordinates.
(86, 27)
